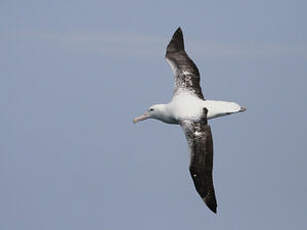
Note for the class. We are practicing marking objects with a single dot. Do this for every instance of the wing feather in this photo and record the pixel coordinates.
(199, 137)
(186, 73)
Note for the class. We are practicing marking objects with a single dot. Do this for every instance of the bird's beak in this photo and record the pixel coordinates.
(141, 118)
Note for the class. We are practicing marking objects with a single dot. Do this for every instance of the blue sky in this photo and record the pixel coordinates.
(75, 73)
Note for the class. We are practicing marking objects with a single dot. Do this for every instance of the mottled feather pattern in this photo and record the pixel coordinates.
(189, 109)
(199, 137)
(186, 72)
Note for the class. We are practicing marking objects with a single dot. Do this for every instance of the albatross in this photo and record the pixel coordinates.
(189, 109)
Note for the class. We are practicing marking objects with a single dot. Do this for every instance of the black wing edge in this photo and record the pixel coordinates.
(201, 165)
(179, 59)
(176, 44)
(204, 186)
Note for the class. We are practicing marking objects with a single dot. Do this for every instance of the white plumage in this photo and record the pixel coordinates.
(189, 109)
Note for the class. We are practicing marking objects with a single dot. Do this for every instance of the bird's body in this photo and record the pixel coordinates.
(188, 107)
(191, 111)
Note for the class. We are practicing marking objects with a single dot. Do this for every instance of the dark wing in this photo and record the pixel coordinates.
(199, 138)
(185, 71)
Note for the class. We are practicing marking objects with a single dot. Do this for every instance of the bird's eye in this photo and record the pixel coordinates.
(151, 109)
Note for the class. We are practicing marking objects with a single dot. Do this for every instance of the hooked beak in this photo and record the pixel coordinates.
(141, 118)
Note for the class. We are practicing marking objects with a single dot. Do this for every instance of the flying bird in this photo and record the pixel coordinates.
(189, 109)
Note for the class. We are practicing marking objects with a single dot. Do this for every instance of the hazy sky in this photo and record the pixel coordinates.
(75, 73)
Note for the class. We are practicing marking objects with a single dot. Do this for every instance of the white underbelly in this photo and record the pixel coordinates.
(189, 107)
(186, 107)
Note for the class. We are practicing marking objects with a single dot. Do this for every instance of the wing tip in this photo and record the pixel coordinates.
(211, 204)
(178, 31)
(176, 44)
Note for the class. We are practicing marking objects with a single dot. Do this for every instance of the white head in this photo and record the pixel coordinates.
(158, 112)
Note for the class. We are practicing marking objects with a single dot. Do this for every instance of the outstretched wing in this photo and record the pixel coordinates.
(185, 71)
(199, 137)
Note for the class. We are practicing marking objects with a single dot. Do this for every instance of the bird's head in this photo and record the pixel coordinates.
(154, 111)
